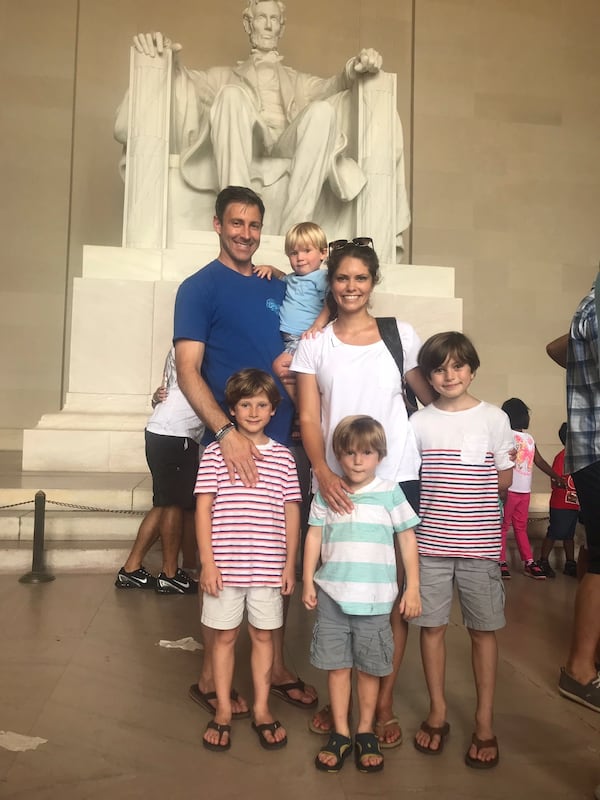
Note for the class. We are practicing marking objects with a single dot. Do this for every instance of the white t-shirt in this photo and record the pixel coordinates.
(523, 471)
(364, 379)
(174, 416)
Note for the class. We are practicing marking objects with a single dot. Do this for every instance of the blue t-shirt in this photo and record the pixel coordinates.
(237, 318)
(303, 302)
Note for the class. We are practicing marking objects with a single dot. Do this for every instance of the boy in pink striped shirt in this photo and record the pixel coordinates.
(248, 541)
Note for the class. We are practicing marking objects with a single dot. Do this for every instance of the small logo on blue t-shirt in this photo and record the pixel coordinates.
(273, 305)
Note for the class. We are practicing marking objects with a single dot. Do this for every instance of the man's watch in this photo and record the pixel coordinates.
(222, 432)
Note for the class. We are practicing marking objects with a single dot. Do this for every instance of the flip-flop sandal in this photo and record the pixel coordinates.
(337, 746)
(481, 744)
(442, 732)
(282, 690)
(384, 745)
(272, 727)
(221, 729)
(366, 744)
(326, 710)
(203, 699)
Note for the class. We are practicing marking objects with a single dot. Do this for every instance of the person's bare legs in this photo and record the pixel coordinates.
(261, 662)
(281, 674)
(147, 535)
(189, 547)
(585, 636)
(171, 532)
(339, 682)
(206, 682)
(223, 660)
(484, 656)
(433, 656)
(391, 732)
(367, 689)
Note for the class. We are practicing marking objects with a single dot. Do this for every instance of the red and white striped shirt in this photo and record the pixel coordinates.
(461, 454)
(248, 522)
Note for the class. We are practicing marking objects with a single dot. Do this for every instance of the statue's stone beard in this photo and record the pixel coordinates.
(254, 39)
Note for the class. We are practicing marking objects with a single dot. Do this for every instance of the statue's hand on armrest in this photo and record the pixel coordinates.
(367, 61)
(154, 44)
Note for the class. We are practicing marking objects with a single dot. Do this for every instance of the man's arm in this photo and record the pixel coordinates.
(238, 452)
(557, 350)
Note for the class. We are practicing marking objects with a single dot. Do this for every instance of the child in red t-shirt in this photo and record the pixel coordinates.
(564, 511)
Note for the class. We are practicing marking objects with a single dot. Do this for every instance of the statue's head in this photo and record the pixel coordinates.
(264, 22)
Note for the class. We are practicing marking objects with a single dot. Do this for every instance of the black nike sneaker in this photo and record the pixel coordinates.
(181, 583)
(138, 579)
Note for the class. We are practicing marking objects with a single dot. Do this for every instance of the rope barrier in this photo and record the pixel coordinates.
(77, 507)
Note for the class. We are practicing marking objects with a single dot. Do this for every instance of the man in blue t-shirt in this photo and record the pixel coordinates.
(227, 318)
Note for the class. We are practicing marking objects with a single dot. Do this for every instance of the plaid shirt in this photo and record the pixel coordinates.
(583, 388)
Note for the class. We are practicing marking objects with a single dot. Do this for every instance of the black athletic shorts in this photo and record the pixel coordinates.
(173, 462)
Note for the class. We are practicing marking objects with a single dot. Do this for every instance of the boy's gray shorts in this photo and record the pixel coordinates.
(480, 592)
(342, 641)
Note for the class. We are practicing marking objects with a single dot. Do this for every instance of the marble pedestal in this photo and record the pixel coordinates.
(122, 323)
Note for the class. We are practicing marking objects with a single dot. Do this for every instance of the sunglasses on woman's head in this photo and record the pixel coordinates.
(360, 241)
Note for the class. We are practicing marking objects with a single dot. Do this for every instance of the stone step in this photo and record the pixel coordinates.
(71, 526)
(90, 520)
(72, 556)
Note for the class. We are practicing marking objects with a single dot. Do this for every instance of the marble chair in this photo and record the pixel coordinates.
(161, 209)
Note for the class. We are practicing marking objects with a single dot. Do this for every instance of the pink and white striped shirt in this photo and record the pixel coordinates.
(248, 522)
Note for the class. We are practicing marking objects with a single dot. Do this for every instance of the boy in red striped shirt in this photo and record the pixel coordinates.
(248, 541)
(465, 447)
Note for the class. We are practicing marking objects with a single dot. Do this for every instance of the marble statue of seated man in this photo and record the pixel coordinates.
(260, 120)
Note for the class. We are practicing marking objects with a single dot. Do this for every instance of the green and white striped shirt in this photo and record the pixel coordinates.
(358, 569)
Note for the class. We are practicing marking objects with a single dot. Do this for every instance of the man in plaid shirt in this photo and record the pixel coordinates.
(580, 679)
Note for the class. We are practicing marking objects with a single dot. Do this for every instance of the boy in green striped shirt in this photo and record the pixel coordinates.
(356, 587)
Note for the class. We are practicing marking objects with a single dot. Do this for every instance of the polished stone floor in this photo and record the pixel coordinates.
(81, 667)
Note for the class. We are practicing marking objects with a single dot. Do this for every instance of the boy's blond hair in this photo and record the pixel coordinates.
(304, 233)
(359, 432)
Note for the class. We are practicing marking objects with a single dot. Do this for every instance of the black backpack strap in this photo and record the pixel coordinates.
(388, 330)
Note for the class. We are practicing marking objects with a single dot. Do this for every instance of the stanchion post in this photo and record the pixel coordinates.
(39, 573)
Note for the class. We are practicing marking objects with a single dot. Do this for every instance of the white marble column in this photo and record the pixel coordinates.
(376, 142)
(147, 159)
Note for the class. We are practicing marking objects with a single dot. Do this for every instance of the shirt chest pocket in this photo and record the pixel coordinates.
(474, 449)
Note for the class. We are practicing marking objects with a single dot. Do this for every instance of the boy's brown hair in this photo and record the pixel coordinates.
(451, 344)
(359, 432)
(305, 233)
(248, 383)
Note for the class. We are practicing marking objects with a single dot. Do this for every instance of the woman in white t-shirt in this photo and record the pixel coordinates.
(345, 370)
